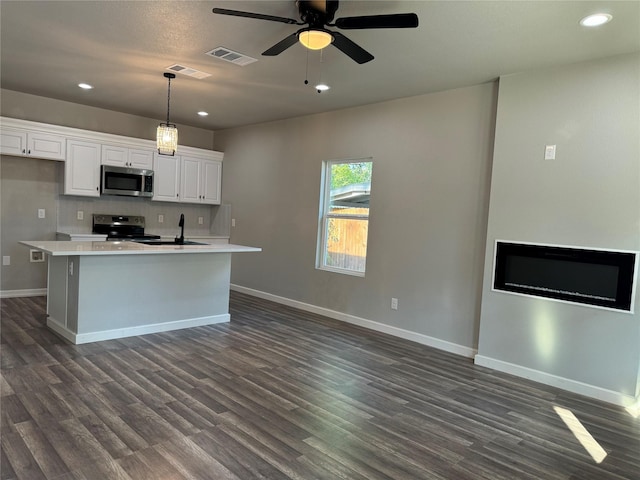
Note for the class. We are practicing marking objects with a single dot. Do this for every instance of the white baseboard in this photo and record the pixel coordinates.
(362, 322)
(27, 292)
(80, 338)
(573, 386)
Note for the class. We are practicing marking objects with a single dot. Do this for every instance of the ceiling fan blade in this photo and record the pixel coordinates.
(259, 16)
(346, 46)
(397, 20)
(281, 46)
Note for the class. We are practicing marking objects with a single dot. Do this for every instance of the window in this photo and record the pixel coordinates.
(344, 216)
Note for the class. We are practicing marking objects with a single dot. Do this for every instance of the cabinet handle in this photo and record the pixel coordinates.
(24, 150)
(29, 152)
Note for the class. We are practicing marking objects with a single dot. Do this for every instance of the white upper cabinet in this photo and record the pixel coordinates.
(82, 169)
(193, 176)
(211, 181)
(22, 142)
(127, 157)
(13, 142)
(186, 179)
(139, 158)
(200, 182)
(166, 178)
(190, 180)
(114, 155)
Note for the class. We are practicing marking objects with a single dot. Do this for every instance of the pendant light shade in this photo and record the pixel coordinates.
(167, 133)
(315, 39)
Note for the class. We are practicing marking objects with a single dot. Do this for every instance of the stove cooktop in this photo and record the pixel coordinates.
(121, 227)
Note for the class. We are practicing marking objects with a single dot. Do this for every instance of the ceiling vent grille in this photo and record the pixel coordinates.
(236, 58)
(188, 71)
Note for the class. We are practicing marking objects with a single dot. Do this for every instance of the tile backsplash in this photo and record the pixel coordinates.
(216, 218)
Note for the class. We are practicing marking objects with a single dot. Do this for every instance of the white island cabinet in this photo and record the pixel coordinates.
(106, 290)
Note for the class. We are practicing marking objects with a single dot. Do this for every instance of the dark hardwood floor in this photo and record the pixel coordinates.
(280, 393)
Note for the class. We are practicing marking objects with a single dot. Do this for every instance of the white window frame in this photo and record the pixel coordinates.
(324, 216)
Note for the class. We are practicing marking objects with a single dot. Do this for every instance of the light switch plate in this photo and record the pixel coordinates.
(80, 215)
(200, 220)
(41, 213)
(550, 152)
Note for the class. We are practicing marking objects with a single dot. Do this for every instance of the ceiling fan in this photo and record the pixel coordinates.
(318, 14)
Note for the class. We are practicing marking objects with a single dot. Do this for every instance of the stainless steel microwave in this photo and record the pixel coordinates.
(133, 182)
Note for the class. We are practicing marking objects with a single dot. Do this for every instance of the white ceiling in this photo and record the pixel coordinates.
(123, 47)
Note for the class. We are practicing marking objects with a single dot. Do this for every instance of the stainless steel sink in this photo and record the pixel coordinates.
(168, 242)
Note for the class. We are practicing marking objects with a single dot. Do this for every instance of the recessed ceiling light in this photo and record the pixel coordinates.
(203, 114)
(85, 86)
(595, 20)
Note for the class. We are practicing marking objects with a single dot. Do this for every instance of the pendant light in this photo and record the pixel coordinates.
(167, 134)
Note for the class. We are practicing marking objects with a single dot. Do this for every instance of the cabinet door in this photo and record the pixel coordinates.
(190, 180)
(113, 155)
(139, 158)
(13, 142)
(211, 181)
(45, 145)
(82, 169)
(166, 178)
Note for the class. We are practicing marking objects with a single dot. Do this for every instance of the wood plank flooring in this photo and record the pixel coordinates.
(282, 394)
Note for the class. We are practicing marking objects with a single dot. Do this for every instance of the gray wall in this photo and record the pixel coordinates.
(430, 186)
(28, 184)
(589, 196)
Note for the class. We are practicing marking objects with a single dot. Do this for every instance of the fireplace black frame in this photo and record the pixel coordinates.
(558, 273)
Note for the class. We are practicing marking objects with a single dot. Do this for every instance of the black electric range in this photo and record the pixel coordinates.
(121, 227)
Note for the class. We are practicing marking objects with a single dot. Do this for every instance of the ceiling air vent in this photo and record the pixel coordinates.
(236, 58)
(188, 71)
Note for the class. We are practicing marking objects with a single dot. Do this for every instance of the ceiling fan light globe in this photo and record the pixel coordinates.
(315, 39)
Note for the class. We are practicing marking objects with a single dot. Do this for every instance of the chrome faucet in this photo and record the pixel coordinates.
(180, 240)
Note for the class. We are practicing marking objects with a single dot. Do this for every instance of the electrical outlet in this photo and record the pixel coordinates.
(36, 256)
(200, 220)
(394, 304)
(71, 269)
(6, 260)
(80, 215)
(41, 213)
(160, 218)
(233, 222)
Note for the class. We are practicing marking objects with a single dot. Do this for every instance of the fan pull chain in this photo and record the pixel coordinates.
(306, 71)
(321, 62)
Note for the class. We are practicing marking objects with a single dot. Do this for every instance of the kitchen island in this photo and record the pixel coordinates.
(106, 290)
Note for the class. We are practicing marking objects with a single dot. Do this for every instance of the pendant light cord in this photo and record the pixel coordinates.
(168, 99)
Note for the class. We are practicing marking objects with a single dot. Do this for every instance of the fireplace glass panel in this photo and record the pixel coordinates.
(593, 277)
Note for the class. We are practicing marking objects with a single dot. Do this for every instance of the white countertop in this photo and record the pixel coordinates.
(65, 249)
(97, 236)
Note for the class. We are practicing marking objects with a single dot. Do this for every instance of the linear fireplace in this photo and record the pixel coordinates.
(599, 278)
